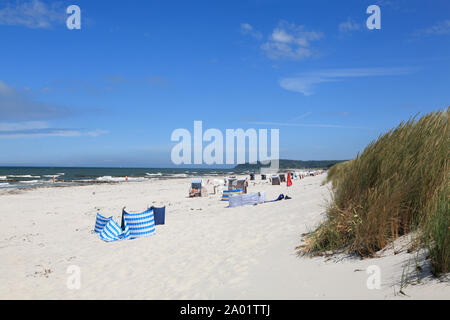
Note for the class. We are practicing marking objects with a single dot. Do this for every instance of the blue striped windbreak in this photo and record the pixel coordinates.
(140, 224)
(101, 222)
(109, 230)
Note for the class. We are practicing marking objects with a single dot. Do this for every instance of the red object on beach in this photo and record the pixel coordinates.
(289, 181)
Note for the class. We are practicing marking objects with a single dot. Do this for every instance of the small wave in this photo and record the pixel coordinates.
(119, 179)
(3, 178)
(137, 179)
(154, 174)
(180, 175)
(110, 178)
(52, 175)
(22, 176)
(30, 181)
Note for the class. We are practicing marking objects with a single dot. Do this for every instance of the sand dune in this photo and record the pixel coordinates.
(205, 250)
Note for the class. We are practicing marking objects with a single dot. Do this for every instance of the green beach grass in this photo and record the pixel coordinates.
(398, 184)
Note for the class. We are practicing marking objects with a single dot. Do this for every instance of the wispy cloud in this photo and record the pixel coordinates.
(386, 3)
(306, 83)
(302, 116)
(33, 14)
(247, 29)
(97, 132)
(310, 125)
(349, 26)
(38, 129)
(19, 106)
(290, 41)
(440, 28)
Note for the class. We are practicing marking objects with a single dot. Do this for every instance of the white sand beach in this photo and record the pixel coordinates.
(204, 251)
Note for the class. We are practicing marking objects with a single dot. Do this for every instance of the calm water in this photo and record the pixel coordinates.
(31, 177)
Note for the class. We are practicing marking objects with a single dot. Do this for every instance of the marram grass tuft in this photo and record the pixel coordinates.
(398, 184)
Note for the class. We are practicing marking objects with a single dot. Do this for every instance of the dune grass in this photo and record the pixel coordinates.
(398, 184)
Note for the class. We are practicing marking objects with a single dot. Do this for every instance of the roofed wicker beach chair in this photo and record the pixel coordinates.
(275, 180)
(196, 189)
(232, 183)
(242, 184)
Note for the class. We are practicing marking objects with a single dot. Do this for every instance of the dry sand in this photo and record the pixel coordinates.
(205, 250)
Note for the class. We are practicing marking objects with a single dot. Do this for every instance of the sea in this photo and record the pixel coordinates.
(34, 177)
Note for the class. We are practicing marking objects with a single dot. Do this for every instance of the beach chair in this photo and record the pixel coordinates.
(242, 184)
(232, 183)
(263, 177)
(275, 180)
(196, 188)
(252, 176)
(282, 177)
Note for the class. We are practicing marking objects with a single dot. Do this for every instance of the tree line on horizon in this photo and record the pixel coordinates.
(292, 164)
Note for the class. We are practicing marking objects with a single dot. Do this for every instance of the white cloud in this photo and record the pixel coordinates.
(97, 132)
(32, 14)
(247, 29)
(440, 28)
(349, 26)
(281, 36)
(305, 83)
(290, 41)
(8, 126)
(38, 129)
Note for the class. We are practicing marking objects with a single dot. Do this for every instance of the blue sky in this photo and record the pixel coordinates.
(112, 93)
